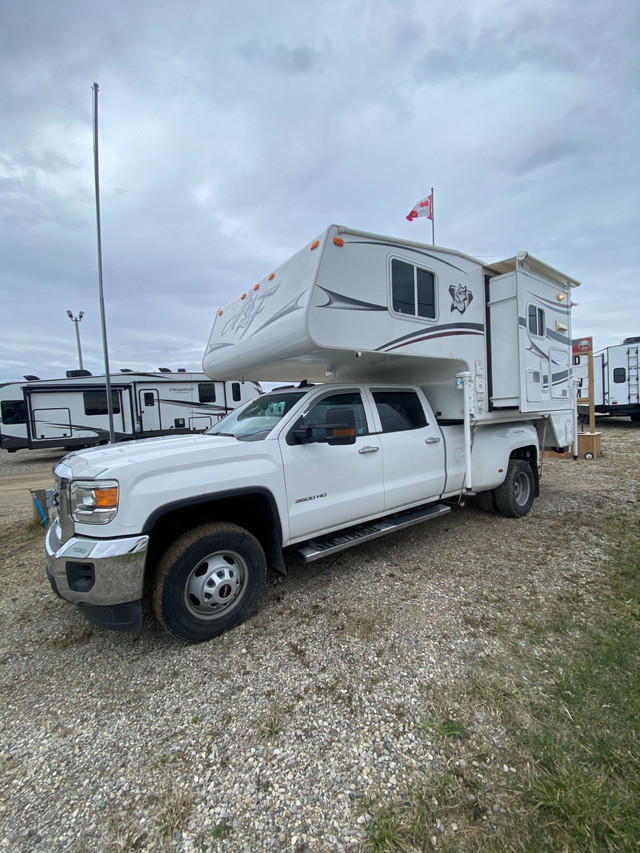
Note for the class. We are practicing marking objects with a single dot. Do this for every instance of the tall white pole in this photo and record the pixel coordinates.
(105, 348)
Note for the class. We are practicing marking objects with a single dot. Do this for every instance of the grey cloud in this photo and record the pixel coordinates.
(286, 60)
(550, 154)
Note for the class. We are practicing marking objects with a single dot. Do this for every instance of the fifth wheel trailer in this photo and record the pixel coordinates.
(615, 379)
(72, 412)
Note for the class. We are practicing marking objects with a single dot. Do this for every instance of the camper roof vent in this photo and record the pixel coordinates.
(126, 370)
(181, 370)
(31, 378)
(635, 340)
(72, 373)
(164, 370)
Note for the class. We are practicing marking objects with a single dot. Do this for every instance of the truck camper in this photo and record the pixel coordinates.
(354, 306)
(419, 378)
(72, 412)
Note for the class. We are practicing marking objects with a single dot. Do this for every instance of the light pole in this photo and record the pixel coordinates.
(76, 322)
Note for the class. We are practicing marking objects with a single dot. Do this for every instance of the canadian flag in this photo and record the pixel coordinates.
(422, 208)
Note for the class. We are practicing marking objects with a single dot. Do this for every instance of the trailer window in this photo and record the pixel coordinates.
(536, 321)
(412, 290)
(95, 403)
(399, 410)
(206, 392)
(236, 396)
(619, 374)
(14, 412)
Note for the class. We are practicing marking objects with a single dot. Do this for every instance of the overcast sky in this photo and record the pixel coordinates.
(232, 132)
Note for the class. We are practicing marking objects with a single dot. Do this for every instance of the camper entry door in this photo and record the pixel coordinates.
(149, 407)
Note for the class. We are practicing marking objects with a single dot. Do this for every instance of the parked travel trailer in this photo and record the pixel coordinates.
(422, 378)
(615, 380)
(72, 412)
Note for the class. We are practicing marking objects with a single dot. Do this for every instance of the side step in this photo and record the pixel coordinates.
(334, 542)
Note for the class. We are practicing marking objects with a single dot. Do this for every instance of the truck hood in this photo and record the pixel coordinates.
(95, 461)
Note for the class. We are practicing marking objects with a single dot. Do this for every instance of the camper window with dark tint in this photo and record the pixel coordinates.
(95, 403)
(235, 392)
(412, 290)
(14, 412)
(619, 374)
(536, 321)
(207, 392)
(399, 410)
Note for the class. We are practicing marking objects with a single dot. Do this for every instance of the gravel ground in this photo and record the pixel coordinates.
(279, 734)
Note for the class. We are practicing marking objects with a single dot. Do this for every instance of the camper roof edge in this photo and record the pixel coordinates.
(535, 265)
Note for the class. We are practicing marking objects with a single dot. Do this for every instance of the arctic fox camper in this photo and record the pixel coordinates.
(421, 376)
(72, 412)
(615, 379)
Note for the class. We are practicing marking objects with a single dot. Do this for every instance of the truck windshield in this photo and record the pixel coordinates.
(255, 421)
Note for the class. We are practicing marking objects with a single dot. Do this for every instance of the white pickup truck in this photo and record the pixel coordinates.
(421, 376)
(197, 519)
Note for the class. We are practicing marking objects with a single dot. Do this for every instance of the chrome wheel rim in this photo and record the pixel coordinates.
(216, 585)
(522, 489)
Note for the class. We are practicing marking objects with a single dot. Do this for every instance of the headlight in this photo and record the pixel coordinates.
(94, 502)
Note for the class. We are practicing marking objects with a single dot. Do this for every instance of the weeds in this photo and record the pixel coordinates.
(573, 729)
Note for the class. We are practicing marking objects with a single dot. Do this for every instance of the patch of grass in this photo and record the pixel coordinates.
(16, 537)
(572, 715)
(175, 814)
(443, 729)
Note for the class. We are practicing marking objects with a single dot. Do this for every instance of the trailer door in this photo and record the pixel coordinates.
(149, 404)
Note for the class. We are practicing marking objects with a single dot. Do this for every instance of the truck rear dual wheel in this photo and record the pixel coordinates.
(208, 581)
(515, 496)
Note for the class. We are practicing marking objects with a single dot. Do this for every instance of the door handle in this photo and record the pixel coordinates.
(369, 449)
(433, 439)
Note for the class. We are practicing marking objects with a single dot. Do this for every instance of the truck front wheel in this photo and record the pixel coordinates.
(208, 581)
(515, 496)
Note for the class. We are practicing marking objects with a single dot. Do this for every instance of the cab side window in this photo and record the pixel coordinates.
(399, 410)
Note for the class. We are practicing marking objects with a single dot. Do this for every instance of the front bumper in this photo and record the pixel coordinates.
(104, 577)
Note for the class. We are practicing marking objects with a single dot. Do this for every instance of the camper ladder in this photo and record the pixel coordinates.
(632, 354)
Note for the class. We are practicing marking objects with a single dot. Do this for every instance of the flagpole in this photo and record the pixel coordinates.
(433, 221)
(105, 348)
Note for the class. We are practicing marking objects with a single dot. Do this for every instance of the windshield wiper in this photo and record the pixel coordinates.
(226, 434)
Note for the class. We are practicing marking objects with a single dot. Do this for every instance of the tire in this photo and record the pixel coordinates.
(487, 501)
(208, 581)
(515, 496)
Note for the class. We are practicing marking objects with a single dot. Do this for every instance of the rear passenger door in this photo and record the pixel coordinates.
(412, 449)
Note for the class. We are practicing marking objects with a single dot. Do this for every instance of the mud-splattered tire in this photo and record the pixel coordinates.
(515, 496)
(208, 581)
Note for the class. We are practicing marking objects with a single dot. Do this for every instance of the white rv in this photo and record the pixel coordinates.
(615, 380)
(422, 377)
(73, 413)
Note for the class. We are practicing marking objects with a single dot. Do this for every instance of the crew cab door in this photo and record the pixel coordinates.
(332, 466)
(412, 448)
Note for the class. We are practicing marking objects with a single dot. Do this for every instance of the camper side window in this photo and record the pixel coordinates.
(236, 395)
(206, 392)
(536, 321)
(14, 412)
(412, 290)
(95, 403)
(619, 374)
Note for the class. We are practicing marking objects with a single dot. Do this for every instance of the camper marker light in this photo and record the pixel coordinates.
(244, 296)
(338, 241)
(314, 245)
(256, 287)
(561, 296)
(220, 313)
(272, 276)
